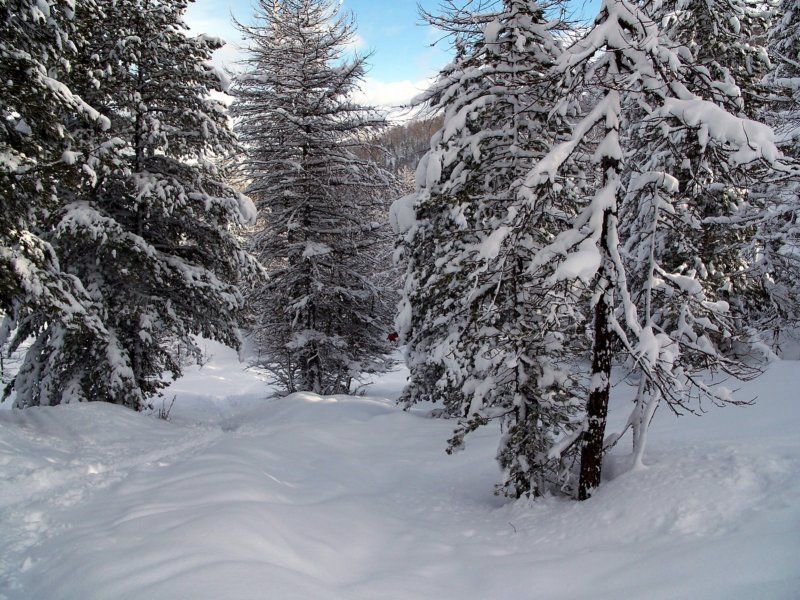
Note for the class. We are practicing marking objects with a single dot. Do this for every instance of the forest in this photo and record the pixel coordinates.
(585, 233)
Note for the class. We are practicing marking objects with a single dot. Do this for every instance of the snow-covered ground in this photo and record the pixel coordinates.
(244, 497)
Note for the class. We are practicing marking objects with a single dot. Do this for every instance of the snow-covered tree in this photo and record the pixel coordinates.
(777, 251)
(686, 193)
(152, 234)
(723, 47)
(679, 323)
(70, 358)
(722, 43)
(488, 332)
(323, 318)
(784, 80)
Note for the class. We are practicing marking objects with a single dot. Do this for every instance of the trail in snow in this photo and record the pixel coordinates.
(306, 497)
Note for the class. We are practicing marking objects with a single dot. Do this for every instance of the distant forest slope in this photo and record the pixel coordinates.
(400, 147)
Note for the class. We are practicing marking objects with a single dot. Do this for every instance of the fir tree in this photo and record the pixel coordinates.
(727, 68)
(487, 329)
(39, 51)
(322, 318)
(152, 234)
(777, 253)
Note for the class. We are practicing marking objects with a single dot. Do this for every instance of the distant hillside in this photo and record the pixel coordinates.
(405, 144)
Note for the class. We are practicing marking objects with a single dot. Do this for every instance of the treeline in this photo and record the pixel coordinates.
(400, 147)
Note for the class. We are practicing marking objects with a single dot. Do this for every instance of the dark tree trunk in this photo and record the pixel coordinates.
(312, 362)
(597, 406)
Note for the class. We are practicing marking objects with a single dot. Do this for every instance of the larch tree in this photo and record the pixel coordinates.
(727, 45)
(724, 40)
(488, 331)
(679, 325)
(322, 318)
(152, 234)
(784, 79)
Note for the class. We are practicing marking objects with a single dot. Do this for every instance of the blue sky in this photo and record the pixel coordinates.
(402, 59)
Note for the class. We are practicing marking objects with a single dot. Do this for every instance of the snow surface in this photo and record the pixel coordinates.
(244, 497)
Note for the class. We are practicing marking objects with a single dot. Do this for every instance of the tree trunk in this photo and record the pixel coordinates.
(637, 416)
(313, 368)
(645, 414)
(597, 406)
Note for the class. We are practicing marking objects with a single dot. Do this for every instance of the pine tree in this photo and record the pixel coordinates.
(488, 331)
(152, 234)
(69, 360)
(678, 325)
(322, 318)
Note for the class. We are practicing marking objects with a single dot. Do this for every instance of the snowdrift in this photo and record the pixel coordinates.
(244, 497)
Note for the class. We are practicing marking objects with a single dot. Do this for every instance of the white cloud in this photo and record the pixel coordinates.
(356, 42)
(390, 95)
(393, 95)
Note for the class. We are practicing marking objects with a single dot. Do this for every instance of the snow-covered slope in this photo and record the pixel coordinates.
(243, 497)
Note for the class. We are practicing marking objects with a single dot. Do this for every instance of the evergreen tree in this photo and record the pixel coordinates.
(722, 43)
(322, 318)
(687, 196)
(488, 332)
(784, 80)
(152, 234)
(727, 68)
(778, 250)
(69, 360)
